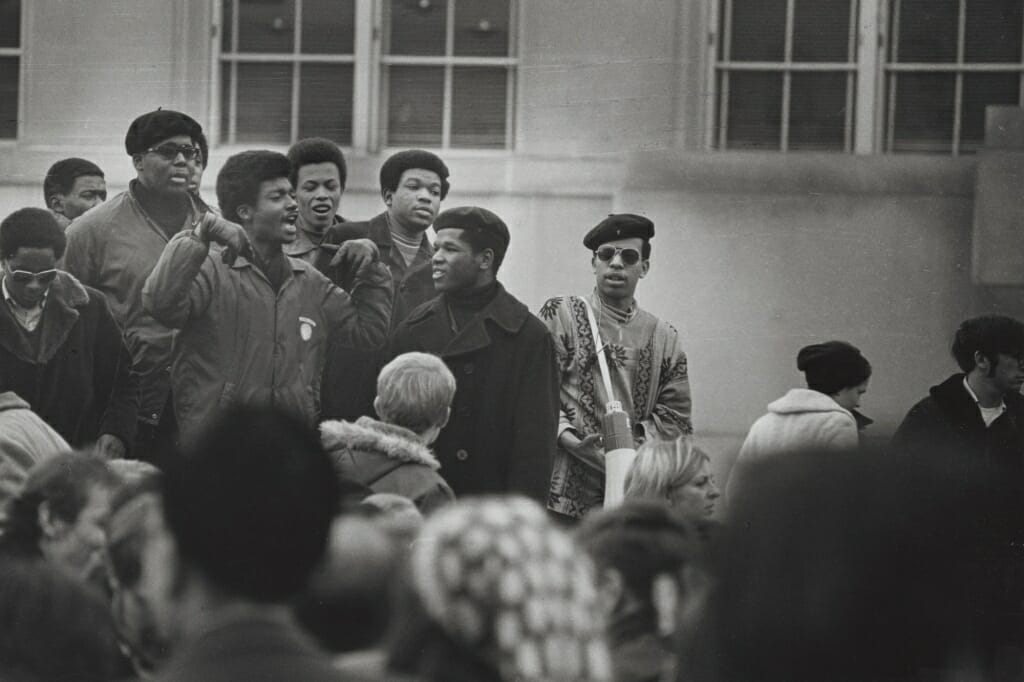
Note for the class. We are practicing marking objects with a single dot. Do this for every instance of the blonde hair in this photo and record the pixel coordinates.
(414, 391)
(663, 464)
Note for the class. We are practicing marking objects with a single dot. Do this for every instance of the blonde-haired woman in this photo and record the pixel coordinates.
(676, 472)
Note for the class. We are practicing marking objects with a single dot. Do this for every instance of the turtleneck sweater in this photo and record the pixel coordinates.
(464, 305)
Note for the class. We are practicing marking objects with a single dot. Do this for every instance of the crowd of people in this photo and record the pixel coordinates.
(262, 442)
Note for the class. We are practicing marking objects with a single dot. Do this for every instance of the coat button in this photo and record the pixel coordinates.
(461, 455)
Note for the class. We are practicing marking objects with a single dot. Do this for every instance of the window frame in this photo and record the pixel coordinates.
(19, 53)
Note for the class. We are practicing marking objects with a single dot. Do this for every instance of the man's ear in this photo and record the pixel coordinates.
(244, 212)
(645, 267)
(487, 259)
(387, 195)
(56, 203)
(137, 162)
(982, 362)
(51, 526)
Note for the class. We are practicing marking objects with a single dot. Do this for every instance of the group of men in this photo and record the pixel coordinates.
(277, 301)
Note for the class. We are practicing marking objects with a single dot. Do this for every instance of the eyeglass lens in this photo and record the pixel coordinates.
(629, 256)
(24, 277)
(171, 151)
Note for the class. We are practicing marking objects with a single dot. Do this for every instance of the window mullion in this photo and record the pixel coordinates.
(958, 91)
(296, 72)
(867, 86)
(449, 51)
(711, 74)
(787, 76)
(363, 73)
(723, 111)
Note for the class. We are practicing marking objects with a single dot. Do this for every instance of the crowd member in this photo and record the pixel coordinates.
(254, 322)
(249, 510)
(139, 552)
(414, 392)
(852, 566)
(675, 472)
(60, 513)
(413, 183)
(975, 418)
(649, 560)
(318, 177)
(645, 360)
(821, 417)
(115, 247)
(500, 437)
(498, 592)
(60, 348)
(71, 187)
(52, 627)
(25, 439)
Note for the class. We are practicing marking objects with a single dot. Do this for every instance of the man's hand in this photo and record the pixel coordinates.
(590, 449)
(229, 235)
(109, 447)
(356, 254)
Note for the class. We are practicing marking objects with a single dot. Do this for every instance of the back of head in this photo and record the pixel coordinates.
(854, 567)
(251, 504)
(52, 627)
(31, 228)
(398, 163)
(312, 150)
(989, 335)
(832, 366)
(660, 465)
(61, 176)
(641, 540)
(414, 391)
(239, 180)
(499, 588)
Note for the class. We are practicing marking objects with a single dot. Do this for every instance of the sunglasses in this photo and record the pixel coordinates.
(629, 256)
(169, 152)
(24, 276)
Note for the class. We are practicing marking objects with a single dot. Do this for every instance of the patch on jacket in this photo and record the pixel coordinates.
(306, 327)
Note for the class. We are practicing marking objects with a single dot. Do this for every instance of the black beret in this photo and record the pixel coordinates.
(480, 220)
(156, 126)
(398, 163)
(619, 226)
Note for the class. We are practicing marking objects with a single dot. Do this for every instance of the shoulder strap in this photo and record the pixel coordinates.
(602, 361)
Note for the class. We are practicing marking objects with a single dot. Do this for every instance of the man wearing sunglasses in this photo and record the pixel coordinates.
(645, 360)
(115, 246)
(60, 348)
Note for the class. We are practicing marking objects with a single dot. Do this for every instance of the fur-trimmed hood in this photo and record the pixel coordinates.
(369, 435)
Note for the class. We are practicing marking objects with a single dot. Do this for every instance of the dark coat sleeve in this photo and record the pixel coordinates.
(917, 432)
(117, 387)
(535, 418)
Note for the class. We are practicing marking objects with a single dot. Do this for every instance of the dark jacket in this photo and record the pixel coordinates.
(387, 459)
(946, 429)
(501, 435)
(78, 379)
(254, 650)
(350, 376)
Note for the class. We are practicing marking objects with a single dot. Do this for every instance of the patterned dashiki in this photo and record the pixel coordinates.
(649, 377)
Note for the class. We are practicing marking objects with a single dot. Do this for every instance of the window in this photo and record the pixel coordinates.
(368, 73)
(10, 66)
(863, 75)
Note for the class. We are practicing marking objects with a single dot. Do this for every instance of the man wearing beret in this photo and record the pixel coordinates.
(645, 360)
(413, 183)
(501, 435)
(114, 247)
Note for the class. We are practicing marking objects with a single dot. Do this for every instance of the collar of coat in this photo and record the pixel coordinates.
(368, 434)
(954, 401)
(63, 301)
(245, 261)
(429, 324)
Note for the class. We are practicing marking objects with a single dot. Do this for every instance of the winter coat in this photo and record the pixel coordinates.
(801, 420)
(24, 440)
(387, 459)
(501, 435)
(78, 378)
(947, 430)
(242, 342)
(350, 377)
(113, 248)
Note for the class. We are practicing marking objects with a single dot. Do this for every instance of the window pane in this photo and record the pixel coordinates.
(482, 28)
(225, 100)
(415, 105)
(821, 31)
(328, 26)
(10, 23)
(758, 30)
(8, 97)
(755, 110)
(417, 26)
(927, 30)
(226, 34)
(817, 111)
(266, 25)
(264, 103)
(924, 112)
(980, 90)
(993, 31)
(479, 100)
(325, 102)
